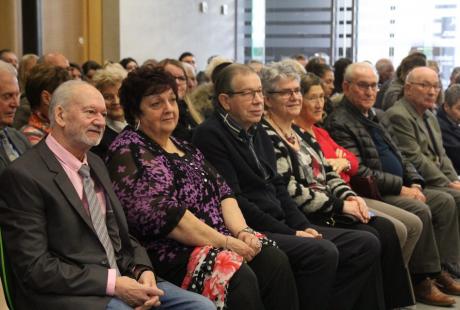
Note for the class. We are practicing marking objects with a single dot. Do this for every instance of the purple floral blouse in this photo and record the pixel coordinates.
(155, 188)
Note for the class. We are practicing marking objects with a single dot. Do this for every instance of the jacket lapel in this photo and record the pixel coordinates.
(420, 124)
(63, 182)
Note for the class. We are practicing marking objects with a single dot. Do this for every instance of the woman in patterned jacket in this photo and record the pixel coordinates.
(318, 190)
(183, 212)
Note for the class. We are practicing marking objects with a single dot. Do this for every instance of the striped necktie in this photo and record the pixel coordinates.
(9, 150)
(97, 217)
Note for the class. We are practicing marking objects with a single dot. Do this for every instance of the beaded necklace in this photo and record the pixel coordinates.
(291, 138)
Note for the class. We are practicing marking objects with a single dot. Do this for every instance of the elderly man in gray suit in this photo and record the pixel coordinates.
(12, 142)
(416, 130)
(357, 127)
(64, 228)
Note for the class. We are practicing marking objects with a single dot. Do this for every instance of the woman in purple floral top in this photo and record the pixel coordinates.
(183, 212)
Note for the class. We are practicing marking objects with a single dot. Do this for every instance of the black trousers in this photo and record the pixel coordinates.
(341, 271)
(396, 286)
(267, 282)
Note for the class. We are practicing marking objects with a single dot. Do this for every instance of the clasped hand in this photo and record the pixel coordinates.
(247, 245)
(142, 295)
(356, 206)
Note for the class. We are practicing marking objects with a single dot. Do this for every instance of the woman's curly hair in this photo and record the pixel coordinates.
(142, 82)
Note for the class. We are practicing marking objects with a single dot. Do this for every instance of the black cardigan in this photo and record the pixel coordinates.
(265, 203)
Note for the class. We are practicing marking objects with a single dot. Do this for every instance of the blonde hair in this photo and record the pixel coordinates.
(24, 69)
(111, 74)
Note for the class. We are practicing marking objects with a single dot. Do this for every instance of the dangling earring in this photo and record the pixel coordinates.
(137, 125)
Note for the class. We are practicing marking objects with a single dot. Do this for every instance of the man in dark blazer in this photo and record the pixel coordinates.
(59, 257)
(328, 272)
(12, 142)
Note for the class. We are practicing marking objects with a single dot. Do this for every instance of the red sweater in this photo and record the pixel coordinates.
(329, 146)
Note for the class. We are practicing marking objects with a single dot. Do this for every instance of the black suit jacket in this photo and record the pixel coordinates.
(56, 258)
(265, 203)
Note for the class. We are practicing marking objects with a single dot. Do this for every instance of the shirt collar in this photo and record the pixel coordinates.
(235, 129)
(116, 126)
(63, 155)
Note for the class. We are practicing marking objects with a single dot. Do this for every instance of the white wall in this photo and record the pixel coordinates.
(166, 28)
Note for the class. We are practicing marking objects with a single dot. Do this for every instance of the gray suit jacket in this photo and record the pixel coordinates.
(413, 138)
(20, 143)
(56, 258)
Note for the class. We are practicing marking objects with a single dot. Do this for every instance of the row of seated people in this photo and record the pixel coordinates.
(198, 106)
(173, 198)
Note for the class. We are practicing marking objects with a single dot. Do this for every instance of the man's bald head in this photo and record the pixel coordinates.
(421, 88)
(55, 59)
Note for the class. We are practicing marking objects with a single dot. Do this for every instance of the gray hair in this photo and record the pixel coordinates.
(295, 65)
(63, 96)
(452, 95)
(274, 72)
(351, 70)
(8, 68)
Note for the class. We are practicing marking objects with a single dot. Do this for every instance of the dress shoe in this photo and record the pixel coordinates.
(447, 284)
(428, 293)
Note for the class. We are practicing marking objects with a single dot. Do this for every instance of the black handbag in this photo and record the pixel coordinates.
(333, 219)
(365, 187)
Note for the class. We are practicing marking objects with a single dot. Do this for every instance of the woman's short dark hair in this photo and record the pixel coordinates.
(339, 71)
(185, 54)
(318, 68)
(90, 65)
(44, 77)
(307, 81)
(142, 82)
(125, 61)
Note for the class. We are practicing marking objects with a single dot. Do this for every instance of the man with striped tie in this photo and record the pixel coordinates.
(64, 228)
(12, 142)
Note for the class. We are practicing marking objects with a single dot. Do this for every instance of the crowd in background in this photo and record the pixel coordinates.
(290, 185)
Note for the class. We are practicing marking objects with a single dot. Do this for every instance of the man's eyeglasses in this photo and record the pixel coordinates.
(286, 93)
(248, 94)
(427, 86)
(365, 86)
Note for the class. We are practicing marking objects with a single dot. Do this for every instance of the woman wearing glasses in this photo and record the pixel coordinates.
(408, 226)
(189, 118)
(318, 190)
(183, 212)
